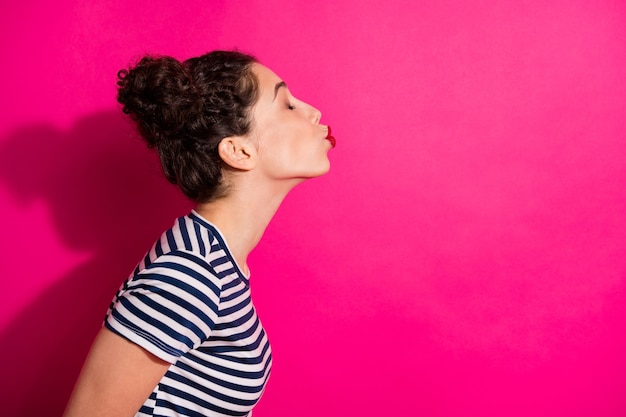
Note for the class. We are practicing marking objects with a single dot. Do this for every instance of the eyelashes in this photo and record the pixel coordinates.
(291, 107)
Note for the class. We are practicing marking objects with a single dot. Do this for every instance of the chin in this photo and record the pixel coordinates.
(312, 172)
(323, 170)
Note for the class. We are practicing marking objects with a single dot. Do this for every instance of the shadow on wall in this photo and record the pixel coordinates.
(107, 197)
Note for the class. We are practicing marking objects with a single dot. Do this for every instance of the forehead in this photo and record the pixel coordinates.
(267, 81)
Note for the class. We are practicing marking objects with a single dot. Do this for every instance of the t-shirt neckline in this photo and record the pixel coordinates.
(195, 216)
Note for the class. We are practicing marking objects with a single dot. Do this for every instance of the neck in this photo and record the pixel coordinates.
(242, 216)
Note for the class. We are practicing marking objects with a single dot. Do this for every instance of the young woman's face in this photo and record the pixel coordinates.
(291, 142)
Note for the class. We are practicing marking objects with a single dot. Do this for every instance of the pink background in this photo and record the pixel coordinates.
(466, 256)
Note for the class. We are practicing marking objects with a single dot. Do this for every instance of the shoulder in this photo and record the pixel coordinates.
(190, 235)
(185, 236)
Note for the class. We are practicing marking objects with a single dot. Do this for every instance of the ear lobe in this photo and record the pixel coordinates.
(237, 152)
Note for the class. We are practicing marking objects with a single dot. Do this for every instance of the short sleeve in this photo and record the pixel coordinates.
(170, 307)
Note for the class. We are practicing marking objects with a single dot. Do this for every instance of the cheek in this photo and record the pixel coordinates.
(288, 143)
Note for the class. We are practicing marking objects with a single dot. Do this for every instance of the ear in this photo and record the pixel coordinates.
(238, 152)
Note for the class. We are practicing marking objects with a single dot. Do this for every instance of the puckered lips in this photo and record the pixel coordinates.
(331, 138)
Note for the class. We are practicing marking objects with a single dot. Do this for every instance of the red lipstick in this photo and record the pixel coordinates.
(331, 138)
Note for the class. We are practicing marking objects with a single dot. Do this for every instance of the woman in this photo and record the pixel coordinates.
(181, 336)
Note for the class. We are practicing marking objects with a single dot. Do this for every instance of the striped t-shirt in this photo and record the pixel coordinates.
(188, 303)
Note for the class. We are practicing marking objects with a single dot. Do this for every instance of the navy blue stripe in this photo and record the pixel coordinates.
(235, 308)
(247, 332)
(146, 410)
(221, 261)
(184, 233)
(243, 348)
(158, 249)
(194, 258)
(221, 351)
(234, 372)
(180, 410)
(170, 240)
(235, 323)
(235, 295)
(232, 284)
(201, 246)
(188, 412)
(146, 262)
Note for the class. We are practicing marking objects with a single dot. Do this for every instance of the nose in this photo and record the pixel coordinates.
(316, 115)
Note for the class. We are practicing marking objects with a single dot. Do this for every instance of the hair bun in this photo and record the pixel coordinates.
(158, 95)
(184, 109)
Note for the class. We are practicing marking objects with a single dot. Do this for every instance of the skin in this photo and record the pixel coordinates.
(286, 146)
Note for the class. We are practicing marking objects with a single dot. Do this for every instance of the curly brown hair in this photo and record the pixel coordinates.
(184, 109)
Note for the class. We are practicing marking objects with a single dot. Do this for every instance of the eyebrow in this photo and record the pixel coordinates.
(277, 87)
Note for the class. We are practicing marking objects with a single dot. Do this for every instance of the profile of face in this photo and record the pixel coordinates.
(291, 143)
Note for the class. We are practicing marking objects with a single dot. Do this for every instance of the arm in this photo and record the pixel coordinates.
(118, 376)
